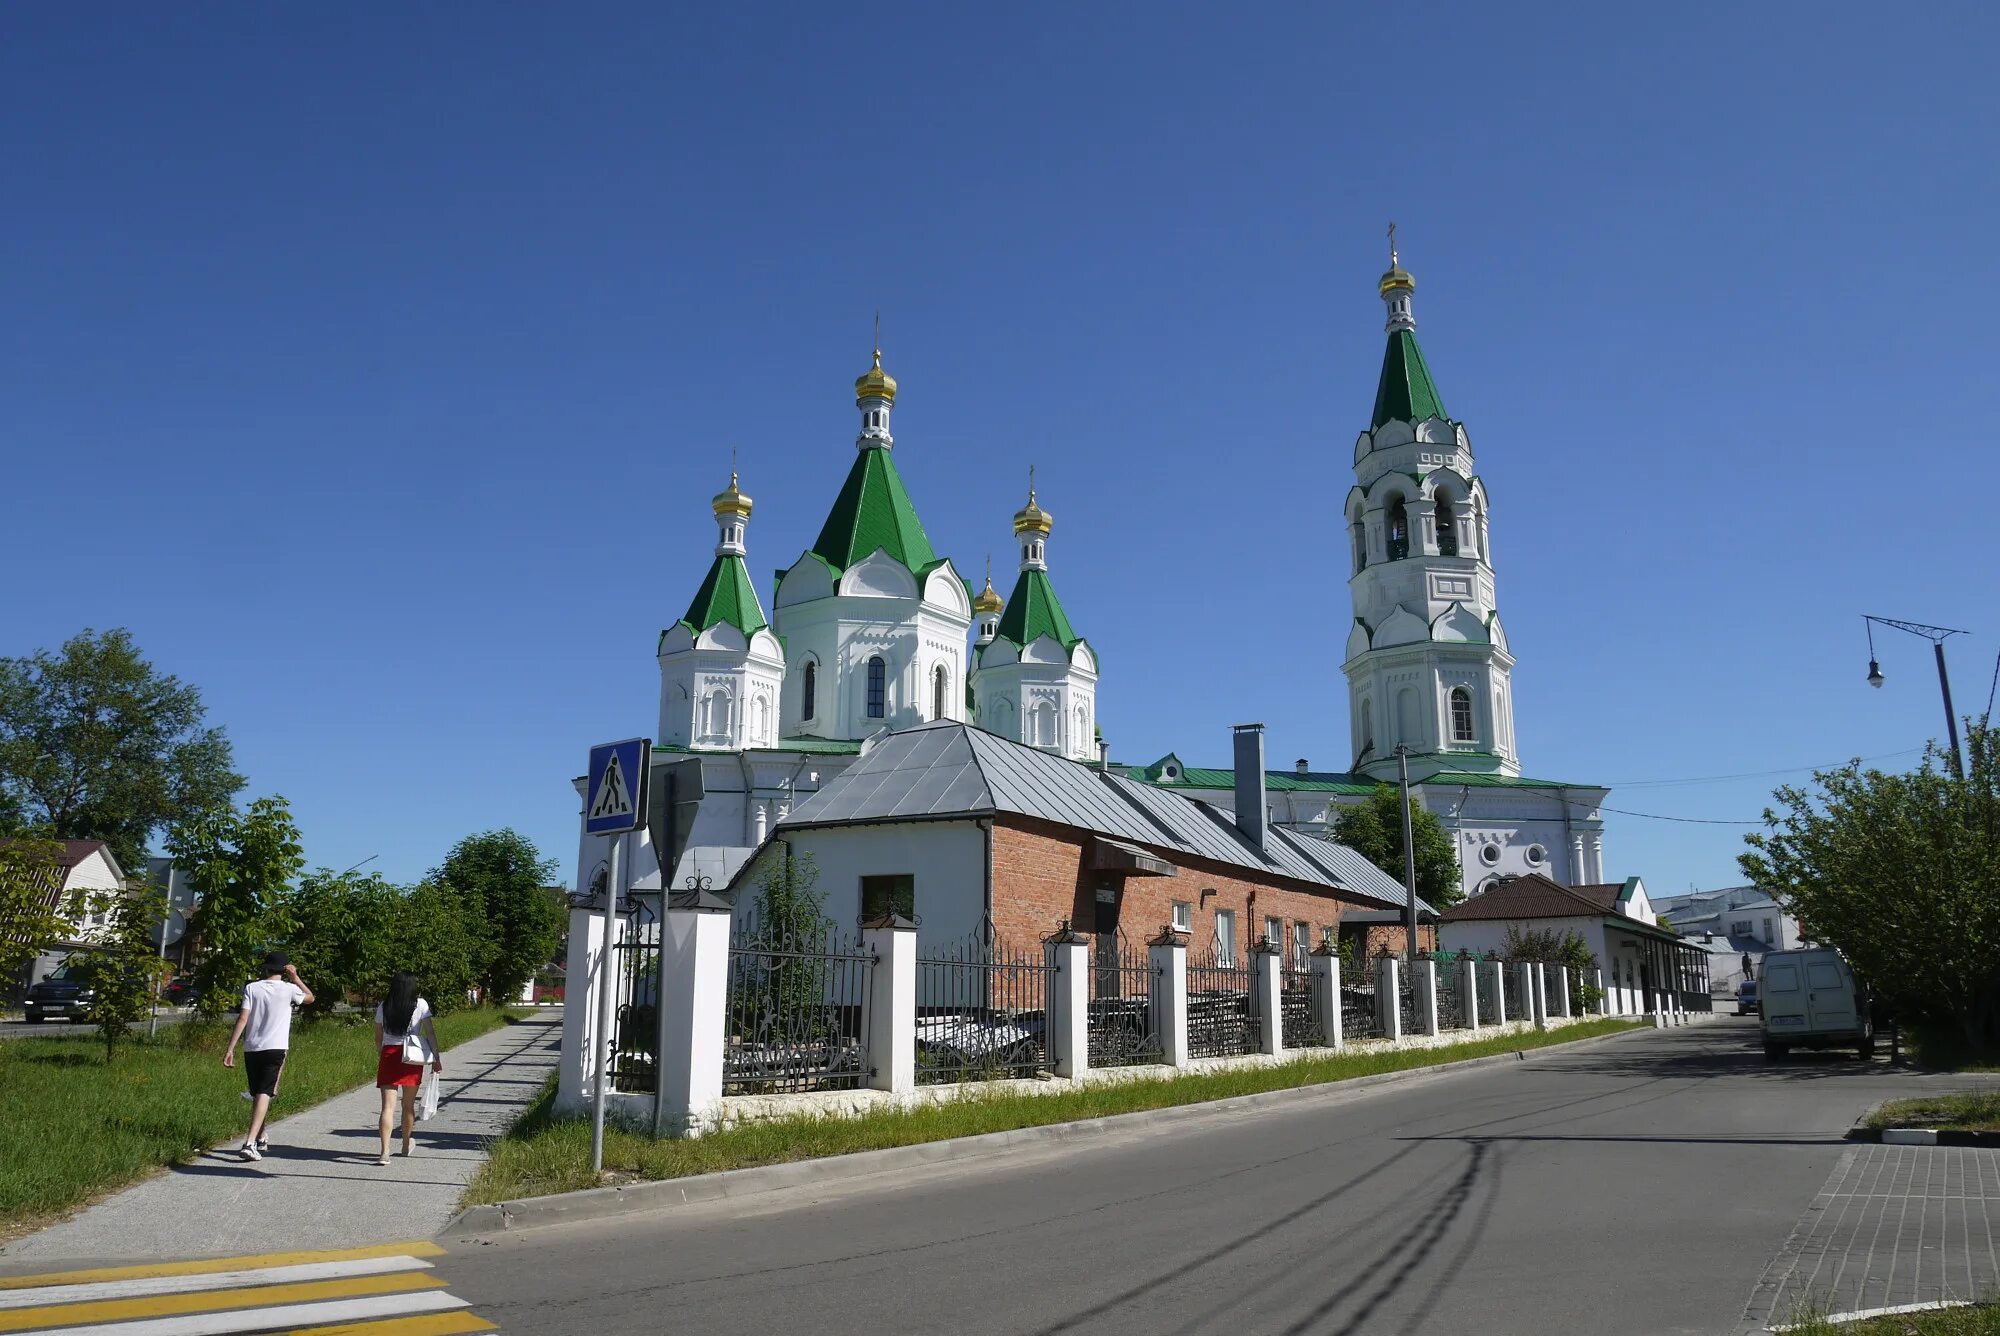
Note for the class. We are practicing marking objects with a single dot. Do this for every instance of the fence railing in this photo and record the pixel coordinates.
(1359, 1016)
(797, 1016)
(1221, 1015)
(1511, 990)
(1451, 1008)
(981, 1011)
(1406, 999)
(1298, 1007)
(635, 1026)
(1124, 1008)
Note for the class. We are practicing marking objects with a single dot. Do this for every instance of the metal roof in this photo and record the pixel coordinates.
(946, 770)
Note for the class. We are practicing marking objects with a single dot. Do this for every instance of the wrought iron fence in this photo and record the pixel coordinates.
(1221, 1016)
(1123, 1006)
(1406, 998)
(635, 1028)
(1552, 990)
(981, 1011)
(1511, 991)
(1492, 991)
(1359, 1016)
(1298, 1008)
(1450, 992)
(798, 1009)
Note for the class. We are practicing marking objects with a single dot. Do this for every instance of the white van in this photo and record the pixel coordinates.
(1811, 999)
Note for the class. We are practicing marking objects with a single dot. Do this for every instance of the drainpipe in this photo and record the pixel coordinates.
(985, 824)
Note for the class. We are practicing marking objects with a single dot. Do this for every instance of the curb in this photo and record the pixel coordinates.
(664, 1194)
(1924, 1136)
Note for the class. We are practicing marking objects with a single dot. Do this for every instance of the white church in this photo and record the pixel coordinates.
(870, 631)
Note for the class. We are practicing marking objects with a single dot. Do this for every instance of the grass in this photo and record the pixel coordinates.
(72, 1128)
(543, 1153)
(1974, 1320)
(1973, 1111)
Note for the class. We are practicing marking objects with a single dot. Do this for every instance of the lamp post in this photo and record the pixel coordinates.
(1937, 635)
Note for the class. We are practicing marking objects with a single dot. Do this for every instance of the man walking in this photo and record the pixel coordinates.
(265, 1026)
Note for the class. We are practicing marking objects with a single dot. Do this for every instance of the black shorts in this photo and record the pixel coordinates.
(261, 1067)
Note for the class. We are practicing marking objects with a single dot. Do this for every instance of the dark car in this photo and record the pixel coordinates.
(1746, 998)
(65, 994)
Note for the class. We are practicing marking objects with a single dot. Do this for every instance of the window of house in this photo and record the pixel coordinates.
(1489, 854)
(1740, 928)
(878, 688)
(1461, 715)
(1274, 930)
(1397, 519)
(809, 692)
(892, 893)
(940, 692)
(1301, 944)
(1183, 916)
(1225, 937)
(1537, 855)
(1447, 526)
(1769, 934)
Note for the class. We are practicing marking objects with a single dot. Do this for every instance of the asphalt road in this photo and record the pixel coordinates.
(59, 1029)
(1638, 1185)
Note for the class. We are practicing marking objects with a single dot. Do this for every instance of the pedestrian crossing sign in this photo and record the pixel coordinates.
(616, 793)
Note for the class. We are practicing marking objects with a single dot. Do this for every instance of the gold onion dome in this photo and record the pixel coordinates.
(1397, 280)
(875, 383)
(732, 501)
(988, 601)
(1031, 518)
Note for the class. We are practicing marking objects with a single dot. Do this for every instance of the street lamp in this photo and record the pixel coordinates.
(1937, 635)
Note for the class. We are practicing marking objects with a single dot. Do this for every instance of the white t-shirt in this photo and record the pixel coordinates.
(418, 1015)
(269, 1003)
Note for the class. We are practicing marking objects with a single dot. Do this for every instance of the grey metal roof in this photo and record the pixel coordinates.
(949, 770)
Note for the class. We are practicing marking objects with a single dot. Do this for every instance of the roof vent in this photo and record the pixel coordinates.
(1303, 766)
(1250, 813)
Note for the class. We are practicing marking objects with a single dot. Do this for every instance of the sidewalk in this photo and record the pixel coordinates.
(319, 1186)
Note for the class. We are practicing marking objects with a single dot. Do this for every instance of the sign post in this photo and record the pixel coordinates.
(614, 805)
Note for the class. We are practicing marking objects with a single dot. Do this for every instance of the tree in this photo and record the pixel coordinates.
(1551, 947)
(125, 968)
(239, 864)
(1374, 829)
(31, 912)
(1901, 874)
(341, 932)
(503, 880)
(434, 936)
(97, 744)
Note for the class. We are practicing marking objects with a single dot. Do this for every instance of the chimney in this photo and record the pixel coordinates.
(1103, 755)
(1303, 766)
(1249, 740)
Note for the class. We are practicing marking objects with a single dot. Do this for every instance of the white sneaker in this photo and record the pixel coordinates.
(250, 1151)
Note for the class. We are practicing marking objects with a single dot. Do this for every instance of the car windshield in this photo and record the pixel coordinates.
(72, 971)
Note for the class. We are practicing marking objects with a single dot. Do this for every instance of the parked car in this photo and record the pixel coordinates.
(1811, 999)
(1746, 998)
(66, 994)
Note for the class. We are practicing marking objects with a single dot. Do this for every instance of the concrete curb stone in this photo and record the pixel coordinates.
(665, 1194)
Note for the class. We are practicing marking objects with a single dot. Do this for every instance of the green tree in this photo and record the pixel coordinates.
(95, 743)
(239, 864)
(1552, 947)
(31, 912)
(1901, 874)
(503, 880)
(434, 936)
(1373, 828)
(125, 968)
(341, 933)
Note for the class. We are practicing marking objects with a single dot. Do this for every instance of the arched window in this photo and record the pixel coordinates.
(809, 692)
(1461, 715)
(1360, 528)
(1447, 526)
(1042, 725)
(940, 693)
(1397, 517)
(878, 688)
(716, 723)
(1478, 528)
(762, 738)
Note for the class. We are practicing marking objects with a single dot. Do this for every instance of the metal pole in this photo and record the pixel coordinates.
(167, 917)
(600, 1043)
(1950, 719)
(1409, 854)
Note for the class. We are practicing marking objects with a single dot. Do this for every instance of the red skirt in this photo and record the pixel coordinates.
(391, 1071)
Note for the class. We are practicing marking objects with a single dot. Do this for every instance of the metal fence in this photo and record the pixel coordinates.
(981, 1011)
(1123, 987)
(1451, 1006)
(1298, 1008)
(635, 1029)
(1510, 989)
(1406, 998)
(1359, 1018)
(1221, 1016)
(798, 1009)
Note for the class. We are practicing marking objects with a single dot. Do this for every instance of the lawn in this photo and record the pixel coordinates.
(543, 1154)
(1973, 1320)
(71, 1128)
(1973, 1111)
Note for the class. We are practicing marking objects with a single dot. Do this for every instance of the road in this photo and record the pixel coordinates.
(1642, 1184)
(16, 1029)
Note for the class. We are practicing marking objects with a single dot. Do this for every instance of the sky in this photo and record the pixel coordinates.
(375, 363)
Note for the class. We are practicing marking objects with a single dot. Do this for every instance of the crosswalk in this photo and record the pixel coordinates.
(387, 1290)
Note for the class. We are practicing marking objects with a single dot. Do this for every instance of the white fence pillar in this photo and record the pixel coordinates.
(892, 1003)
(1562, 991)
(1069, 1002)
(578, 1069)
(1524, 977)
(693, 1011)
(1424, 985)
(1389, 997)
(1497, 977)
(1326, 994)
(1541, 996)
(1267, 997)
(1603, 998)
(1468, 991)
(1168, 956)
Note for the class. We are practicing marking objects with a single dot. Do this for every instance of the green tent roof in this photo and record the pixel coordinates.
(726, 596)
(1406, 392)
(1034, 611)
(874, 511)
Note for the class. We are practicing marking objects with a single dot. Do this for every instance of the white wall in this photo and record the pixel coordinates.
(1603, 938)
(947, 858)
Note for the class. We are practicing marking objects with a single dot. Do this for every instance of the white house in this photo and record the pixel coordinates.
(86, 875)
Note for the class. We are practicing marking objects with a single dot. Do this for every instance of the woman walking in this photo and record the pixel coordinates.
(407, 1042)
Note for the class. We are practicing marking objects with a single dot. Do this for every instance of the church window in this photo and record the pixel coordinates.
(1537, 855)
(940, 692)
(1489, 854)
(809, 692)
(1447, 526)
(1398, 519)
(1478, 529)
(878, 688)
(1360, 545)
(1461, 715)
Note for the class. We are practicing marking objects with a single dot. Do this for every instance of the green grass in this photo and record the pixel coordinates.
(1975, 1320)
(72, 1128)
(1974, 1111)
(543, 1153)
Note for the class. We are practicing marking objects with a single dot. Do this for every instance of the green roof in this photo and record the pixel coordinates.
(1034, 611)
(726, 596)
(873, 511)
(1325, 781)
(1406, 392)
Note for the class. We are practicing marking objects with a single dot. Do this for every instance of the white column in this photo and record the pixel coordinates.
(1168, 956)
(1326, 995)
(892, 1003)
(1498, 975)
(1541, 996)
(577, 1071)
(1069, 1003)
(1267, 996)
(1603, 997)
(1524, 973)
(1388, 997)
(1468, 985)
(694, 945)
(1562, 990)
(1426, 996)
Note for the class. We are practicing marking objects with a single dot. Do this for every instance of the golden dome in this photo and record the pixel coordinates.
(988, 601)
(1031, 518)
(732, 501)
(875, 383)
(1397, 280)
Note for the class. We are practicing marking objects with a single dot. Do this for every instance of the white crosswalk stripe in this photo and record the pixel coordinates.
(218, 1280)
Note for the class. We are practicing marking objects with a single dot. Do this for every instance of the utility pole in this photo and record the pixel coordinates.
(1409, 855)
(1937, 635)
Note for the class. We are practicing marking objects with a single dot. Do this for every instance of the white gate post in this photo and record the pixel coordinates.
(1326, 993)
(1524, 974)
(1562, 982)
(1388, 997)
(892, 1003)
(694, 1007)
(1468, 986)
(1068, 1010)
(1168, 956)
(579, 1033)
(1267, 995)
(1499, 976)
(1603, 998)
(1425, 990)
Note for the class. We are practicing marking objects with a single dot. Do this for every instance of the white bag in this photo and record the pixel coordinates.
(427, 1097)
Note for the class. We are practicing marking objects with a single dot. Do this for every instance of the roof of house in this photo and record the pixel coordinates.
(873, 511)
(1406, 392)
(726, 595)
(1033, 611)
(945, 770)
(1327, 781)
(1536, 897)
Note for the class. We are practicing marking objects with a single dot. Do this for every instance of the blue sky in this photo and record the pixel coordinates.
(374, 364)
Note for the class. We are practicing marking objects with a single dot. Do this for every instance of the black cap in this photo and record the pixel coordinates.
(275, 962)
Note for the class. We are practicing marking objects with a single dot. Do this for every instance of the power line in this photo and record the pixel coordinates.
(1763, 774)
